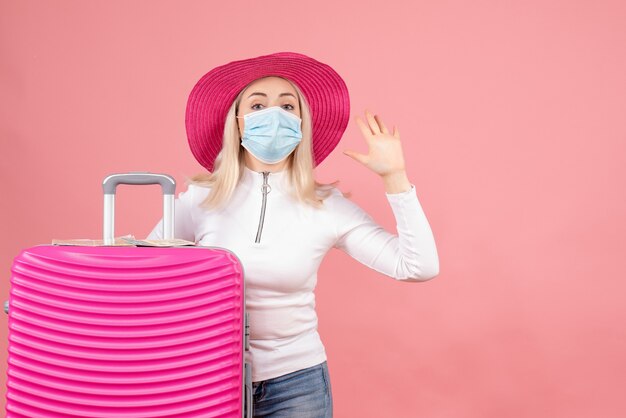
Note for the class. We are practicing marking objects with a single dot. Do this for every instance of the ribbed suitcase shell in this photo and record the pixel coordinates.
(125, 332)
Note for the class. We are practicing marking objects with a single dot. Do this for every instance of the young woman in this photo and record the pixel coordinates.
(259, 126)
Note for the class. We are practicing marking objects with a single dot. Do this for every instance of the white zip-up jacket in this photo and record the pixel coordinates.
(281, 243)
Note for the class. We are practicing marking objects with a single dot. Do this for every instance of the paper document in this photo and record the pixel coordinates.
(119, 241)
(125, 241)
(157, 242)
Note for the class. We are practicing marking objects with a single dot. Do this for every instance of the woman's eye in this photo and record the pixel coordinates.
(287, 106)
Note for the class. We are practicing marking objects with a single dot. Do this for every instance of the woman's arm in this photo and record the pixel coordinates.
(396, 182)
(409, 256)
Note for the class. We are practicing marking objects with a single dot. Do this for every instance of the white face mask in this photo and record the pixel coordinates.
(271, 134)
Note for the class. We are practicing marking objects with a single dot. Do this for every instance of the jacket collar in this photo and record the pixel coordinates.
(253, 180)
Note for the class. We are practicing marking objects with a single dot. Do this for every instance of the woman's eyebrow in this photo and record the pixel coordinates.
(258, 93)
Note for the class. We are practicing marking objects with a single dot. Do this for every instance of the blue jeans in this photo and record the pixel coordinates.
(304, 393)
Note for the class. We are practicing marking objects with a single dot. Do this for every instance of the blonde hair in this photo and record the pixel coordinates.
(228, 168)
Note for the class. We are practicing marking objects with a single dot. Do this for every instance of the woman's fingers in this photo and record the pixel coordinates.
(383, 128)
(365, 129)
(374, 126)
(362, 158)
(372, 122)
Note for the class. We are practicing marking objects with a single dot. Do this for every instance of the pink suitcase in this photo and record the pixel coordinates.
(128, 331)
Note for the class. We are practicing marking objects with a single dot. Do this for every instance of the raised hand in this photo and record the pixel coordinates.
(385, 154)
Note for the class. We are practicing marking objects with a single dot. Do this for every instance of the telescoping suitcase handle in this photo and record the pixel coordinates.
(109, 185)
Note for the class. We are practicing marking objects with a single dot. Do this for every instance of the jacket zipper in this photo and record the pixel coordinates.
(266, 188)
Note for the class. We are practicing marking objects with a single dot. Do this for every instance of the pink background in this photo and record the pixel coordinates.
(512, 121)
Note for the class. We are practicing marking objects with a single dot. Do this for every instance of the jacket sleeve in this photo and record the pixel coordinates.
(410, 256)
(183, 218)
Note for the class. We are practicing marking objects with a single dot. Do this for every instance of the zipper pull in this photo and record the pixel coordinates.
(266, 188)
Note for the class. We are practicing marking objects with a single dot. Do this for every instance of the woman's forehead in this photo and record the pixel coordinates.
(272, 83)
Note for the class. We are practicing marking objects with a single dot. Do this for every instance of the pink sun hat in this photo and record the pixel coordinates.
(209, 101)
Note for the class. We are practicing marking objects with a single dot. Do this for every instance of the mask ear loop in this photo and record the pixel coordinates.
(240, 136)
